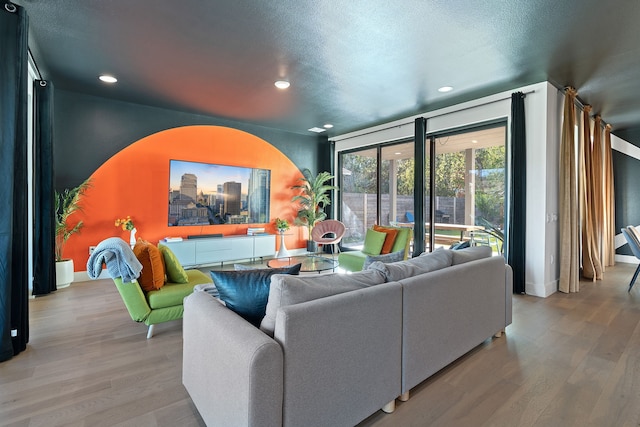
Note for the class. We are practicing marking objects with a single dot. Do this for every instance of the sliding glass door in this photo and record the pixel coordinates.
(470, 187)
(376, 187)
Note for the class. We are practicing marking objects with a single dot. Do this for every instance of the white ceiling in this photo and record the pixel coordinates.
(350, 63)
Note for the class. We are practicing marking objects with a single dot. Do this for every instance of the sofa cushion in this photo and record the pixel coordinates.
(351, 260)
(391, 233)
(246, 291)
(373, 242)
(153, 271)
(386, 258)
(175, 272)
(471, 254)
(172, 294)
(426, 262)
(289, 290)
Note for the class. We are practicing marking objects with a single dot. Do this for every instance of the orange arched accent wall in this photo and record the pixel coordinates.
(135, 182)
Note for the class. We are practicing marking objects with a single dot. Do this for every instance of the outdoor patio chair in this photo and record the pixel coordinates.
(630, 233)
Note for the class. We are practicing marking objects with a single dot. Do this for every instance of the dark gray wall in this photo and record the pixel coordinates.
(626, 175)
(89, 130)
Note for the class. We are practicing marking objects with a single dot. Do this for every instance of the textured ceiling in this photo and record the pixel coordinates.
(351, 63)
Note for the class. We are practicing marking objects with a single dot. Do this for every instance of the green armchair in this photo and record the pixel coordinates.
(161, 305)
(354, 260)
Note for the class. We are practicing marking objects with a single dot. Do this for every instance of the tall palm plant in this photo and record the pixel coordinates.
(313, 197)
(67, 203)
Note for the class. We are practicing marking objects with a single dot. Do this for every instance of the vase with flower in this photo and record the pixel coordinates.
(127, 224)
(282, 225)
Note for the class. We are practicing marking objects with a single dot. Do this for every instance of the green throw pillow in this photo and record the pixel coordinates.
(373, 242)
(175, 272)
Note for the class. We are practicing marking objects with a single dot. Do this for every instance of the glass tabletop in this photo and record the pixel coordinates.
(309, 263)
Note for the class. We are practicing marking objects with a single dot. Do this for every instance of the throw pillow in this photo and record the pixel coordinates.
(386, 258)
(175, 272)
(403, 240)
(391, 233)
(460, 245)
(246, 292)
(425, 263)
(373, 242)
(289, 290)
(153, 270)
(242, 267)
(471, 254)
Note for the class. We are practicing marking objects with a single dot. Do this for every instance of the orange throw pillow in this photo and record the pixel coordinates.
(391, 233)
(153, 270)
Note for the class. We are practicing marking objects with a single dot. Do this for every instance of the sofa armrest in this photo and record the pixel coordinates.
(508, 291)
(342, 355)
(231, 369)
(134, 299)
(448, 312)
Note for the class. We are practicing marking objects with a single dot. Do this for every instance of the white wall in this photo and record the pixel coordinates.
(543, 107)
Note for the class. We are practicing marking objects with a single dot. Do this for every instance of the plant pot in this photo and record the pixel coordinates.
(64, 273)
(312, 246)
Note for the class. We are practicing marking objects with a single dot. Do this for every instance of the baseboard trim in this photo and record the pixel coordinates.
(541, 290)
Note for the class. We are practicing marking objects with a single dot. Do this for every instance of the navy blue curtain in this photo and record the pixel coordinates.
(44, 224)
(517, 205)
(14, 274)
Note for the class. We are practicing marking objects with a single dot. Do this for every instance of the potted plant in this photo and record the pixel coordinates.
(313, 198)
(66, 204)
(282, 225)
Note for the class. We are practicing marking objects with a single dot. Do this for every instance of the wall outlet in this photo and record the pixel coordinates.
(91, 249)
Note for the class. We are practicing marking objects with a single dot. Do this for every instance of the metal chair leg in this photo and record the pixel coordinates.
(633, 280)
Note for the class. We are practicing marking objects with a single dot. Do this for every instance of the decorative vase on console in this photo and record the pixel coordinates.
(132, 237)
(127, 224)
(282, 225)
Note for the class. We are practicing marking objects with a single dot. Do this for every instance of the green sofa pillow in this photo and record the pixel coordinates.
(175, 272)
(373, 242)
(246, 292)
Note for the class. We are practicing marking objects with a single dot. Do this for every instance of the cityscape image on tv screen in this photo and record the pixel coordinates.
(206, 194)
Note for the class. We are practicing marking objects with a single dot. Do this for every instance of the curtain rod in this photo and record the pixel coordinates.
(410, 120)
(581, 104)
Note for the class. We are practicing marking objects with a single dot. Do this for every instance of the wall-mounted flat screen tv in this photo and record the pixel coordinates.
(207, 194)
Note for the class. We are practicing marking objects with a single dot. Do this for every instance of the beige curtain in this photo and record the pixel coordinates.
(598, 190)
(591, 266)
(608, 232)
(591, 196)
(569, 208)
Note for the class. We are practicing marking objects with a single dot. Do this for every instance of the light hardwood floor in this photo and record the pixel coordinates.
(567, 360)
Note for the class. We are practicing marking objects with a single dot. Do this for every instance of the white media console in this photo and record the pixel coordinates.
(210, 250)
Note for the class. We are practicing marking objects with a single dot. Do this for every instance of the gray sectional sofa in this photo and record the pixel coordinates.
(334, 349)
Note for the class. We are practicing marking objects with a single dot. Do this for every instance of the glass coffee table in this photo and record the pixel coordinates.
(310, 263)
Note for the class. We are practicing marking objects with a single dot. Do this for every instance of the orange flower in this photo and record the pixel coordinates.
(125, 223)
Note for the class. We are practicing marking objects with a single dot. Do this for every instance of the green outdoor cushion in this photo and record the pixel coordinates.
(373, 242)
(351, 260)
(403, 240)
(175, 272)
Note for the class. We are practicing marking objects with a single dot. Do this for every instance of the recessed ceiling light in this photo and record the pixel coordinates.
(282, 84)
(445, 89)
(327, 126)
(474, 141)
(316, 129)
(107, 78)
(397, 153)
